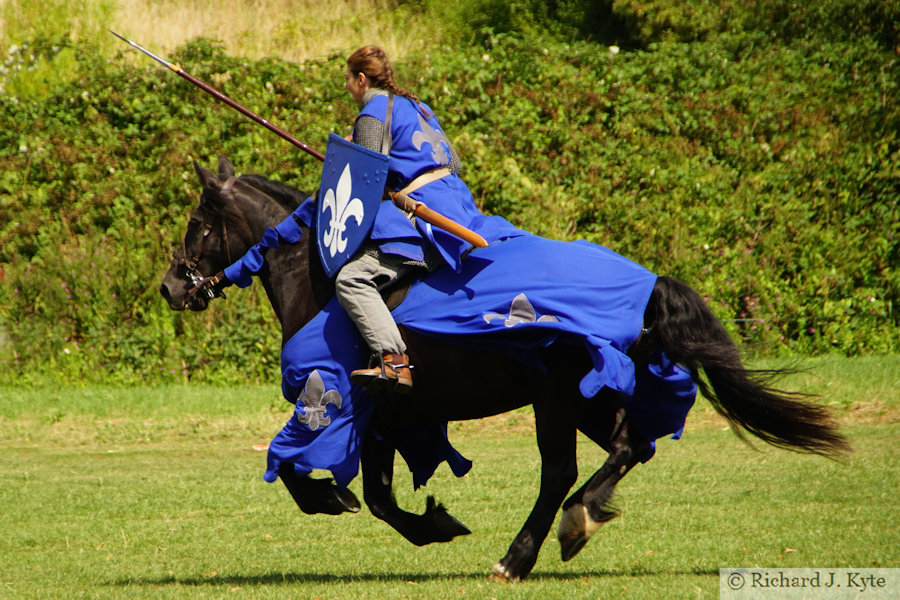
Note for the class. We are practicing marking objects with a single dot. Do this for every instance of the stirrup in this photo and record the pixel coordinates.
(387, 372)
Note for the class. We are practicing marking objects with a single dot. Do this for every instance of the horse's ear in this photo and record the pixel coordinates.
(226, 169)
(207, 177)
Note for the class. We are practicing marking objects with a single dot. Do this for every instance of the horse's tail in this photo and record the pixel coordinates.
(681, 323)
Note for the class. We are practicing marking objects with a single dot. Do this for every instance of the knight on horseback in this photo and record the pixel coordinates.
(424, 166)
(562, 337)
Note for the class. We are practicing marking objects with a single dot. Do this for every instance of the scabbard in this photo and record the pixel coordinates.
(421, 211)
(438, 220)
(418, 208)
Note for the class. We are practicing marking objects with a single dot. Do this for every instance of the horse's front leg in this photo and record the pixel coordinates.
(559, 470)
(588, 508)
(317, 496)
(434, 525)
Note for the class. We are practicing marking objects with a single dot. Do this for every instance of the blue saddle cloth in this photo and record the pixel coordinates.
(520, 294)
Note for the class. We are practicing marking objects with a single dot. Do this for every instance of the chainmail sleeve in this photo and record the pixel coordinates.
(368, 132)
(455, 165)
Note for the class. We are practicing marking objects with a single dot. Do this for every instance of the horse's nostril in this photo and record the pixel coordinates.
(164, 291)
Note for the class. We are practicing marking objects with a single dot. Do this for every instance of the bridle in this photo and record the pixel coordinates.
(202, 284)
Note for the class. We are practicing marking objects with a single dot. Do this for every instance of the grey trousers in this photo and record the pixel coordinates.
(357, 286)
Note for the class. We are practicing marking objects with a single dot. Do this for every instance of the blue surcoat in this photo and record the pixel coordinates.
(418, 146)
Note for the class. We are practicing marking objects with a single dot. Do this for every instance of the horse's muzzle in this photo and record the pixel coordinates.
(173, 303)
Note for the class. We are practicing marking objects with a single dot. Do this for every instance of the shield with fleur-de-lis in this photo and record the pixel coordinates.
(353, 180)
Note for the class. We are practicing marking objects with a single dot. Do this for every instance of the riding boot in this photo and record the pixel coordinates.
(392, 372)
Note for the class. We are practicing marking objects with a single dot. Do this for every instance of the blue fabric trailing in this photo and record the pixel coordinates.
(325, 431)
(572, 292)
(331, 415)
(667, 393)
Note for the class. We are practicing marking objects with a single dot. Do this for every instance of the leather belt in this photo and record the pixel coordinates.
(402, 199)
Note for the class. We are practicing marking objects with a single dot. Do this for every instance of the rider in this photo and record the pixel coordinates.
(424, 165)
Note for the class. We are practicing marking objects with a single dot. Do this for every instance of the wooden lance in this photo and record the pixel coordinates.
(419, 209)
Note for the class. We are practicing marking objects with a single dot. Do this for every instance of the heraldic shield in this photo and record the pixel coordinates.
(352, 186)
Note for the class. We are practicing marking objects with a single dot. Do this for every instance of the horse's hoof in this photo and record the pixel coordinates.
(575, 529)
(324, 497)
(347, 500)
(318, 496)
(449, 525)
(501, 574)
(571, 545)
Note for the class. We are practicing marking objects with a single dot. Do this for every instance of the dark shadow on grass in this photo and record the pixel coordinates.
(636, 572)
(480, 576)
(294, 577)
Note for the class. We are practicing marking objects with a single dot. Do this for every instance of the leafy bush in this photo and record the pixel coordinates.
(640, 23)
(760, 168)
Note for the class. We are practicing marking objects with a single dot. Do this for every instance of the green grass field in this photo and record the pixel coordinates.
(158, 493)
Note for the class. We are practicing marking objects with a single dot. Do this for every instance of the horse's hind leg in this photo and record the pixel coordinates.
(588, 508)
(559, 471)
(434, 525)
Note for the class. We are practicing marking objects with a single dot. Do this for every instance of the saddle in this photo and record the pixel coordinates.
(394, 295)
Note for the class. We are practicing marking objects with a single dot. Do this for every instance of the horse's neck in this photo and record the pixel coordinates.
(295, 284)
(292, 276)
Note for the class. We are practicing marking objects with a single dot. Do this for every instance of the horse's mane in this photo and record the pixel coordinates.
(287, 196)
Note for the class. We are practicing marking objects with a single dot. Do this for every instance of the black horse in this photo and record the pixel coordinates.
(232, 216)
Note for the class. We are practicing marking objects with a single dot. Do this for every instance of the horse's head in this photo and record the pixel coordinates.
(233, 214)
(206, 248)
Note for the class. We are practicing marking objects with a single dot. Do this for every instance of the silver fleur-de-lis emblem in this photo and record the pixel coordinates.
(316, 400)
(430, 135)
(521, 311)
(342, 207)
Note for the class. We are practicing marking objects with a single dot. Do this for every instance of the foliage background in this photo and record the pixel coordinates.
(749, 150)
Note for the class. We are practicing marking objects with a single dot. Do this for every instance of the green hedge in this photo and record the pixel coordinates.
(640, 23)
(758, 165)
